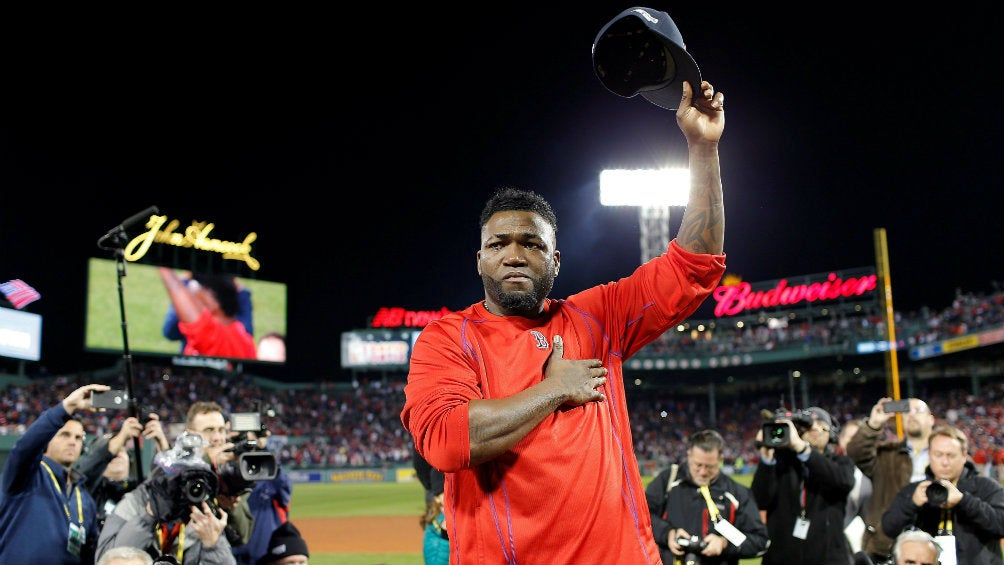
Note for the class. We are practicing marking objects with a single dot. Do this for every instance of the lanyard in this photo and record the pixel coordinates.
(712, 509)
(165, 537)
(59, 489)
(945, 526)
(803, 495)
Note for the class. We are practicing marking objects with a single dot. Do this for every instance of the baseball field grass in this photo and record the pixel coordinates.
(380, 517)
(340, 515)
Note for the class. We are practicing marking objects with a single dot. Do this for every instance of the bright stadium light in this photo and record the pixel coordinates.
(654, 191)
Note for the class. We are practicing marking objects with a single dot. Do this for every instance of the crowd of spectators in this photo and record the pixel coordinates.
(969, 312)
(333, 425)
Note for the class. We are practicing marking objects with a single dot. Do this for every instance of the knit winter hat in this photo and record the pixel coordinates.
(285, 541)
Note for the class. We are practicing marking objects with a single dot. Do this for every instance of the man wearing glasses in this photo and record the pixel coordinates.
(890, 463)
(703, 511)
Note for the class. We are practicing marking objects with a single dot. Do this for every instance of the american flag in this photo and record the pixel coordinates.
(19, 293)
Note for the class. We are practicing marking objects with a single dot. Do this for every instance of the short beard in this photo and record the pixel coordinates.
(521, 303)
(917, 433)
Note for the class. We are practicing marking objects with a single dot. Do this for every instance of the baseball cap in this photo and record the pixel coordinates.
(820, 414)
(824, 416)
(641, 51)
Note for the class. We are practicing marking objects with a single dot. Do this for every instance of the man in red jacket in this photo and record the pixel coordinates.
(519, 398)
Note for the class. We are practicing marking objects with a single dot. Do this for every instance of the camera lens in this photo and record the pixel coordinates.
(937, 494)
(196, 490)
(775, 434)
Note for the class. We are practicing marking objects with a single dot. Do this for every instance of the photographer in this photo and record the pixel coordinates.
(802, 486)
(961, 508)
(172, 512)
(889, 463)
(46, 514)
(106, 464)
(269, 503)
(206, 419)
(716, 516)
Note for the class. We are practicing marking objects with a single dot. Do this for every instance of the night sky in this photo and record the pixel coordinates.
(361, 145)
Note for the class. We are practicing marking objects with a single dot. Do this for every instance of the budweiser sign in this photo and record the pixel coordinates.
(735, 299)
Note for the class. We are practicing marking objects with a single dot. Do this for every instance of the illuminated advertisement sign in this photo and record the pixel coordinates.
(743, 297)
(20, 334)
(389, 349)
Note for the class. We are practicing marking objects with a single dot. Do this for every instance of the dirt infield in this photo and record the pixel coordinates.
(367, 534)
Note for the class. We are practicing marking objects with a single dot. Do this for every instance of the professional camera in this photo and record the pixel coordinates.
(937, 494)
(694, 545)
(776, 432)
(251, 463)
(180, 479)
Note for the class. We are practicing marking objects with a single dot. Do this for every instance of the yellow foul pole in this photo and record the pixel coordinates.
(885, 297)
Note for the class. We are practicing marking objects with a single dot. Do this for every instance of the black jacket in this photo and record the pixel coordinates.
(685, 507)
(106, 492)
(828, 479)
(977, 520)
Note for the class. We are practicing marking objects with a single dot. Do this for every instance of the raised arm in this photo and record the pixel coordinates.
(702, 119)
(185, 305)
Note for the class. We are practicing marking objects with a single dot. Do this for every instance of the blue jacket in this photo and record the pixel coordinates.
(269, 504)
(34, 528)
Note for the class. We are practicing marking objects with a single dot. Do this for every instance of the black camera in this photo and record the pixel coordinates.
(776, 433)
(172, 494)
(694, 545)
(937, 494)
(181, 479)
(251, 463)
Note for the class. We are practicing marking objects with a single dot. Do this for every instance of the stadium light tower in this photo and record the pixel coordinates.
(654, 191)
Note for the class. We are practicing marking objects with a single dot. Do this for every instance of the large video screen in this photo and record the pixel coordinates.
(20, 334)
(152, 313)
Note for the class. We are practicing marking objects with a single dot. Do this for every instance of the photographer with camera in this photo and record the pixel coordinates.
(46, 514)
(173, 512)
(802, 487)
(268, 499)
(889, 463)
(701, 514)
(106, 463)
(961, 508)
(206, 419)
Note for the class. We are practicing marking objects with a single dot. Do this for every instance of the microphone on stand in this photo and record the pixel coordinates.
(128, 223)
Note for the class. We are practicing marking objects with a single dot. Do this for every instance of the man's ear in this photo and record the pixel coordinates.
(557, 262)
(477, 259)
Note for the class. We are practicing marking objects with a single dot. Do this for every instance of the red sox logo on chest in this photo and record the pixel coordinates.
(539, 338)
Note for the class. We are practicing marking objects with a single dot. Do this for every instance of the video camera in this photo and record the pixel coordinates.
(776, 432)
(181, 478)
(251, 463)
(694, 545)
